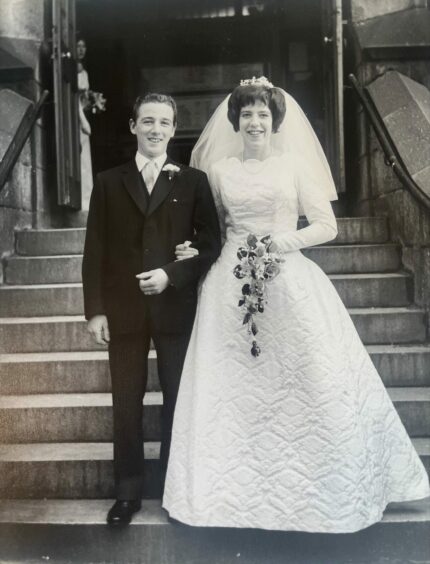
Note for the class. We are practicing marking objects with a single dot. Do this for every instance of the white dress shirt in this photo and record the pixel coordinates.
(141, 161)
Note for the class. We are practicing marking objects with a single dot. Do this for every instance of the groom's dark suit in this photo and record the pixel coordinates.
(129, 232)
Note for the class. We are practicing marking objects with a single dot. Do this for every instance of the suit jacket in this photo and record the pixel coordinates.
(129, 232)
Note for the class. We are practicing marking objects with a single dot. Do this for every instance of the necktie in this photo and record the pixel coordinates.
(149, 173)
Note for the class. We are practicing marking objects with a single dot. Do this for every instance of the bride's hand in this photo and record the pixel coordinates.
(185, 251)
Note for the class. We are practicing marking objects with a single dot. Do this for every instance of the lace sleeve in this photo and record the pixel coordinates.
(214, 181)
(317, 207)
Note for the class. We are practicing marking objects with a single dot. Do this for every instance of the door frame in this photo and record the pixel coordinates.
(66, 101)
(332, 39)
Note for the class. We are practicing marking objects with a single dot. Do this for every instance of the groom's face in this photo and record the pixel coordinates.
(154, 127)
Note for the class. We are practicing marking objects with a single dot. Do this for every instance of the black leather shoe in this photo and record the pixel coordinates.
(121, 512)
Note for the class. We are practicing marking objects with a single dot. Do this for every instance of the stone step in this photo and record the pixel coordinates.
(62, 372)
(71, 241)
(68, 470)
(374, 290)
(413, 407)
(40, 334)
(354, 259)
(41, 299)
(69, 333)
(341, 259)
(356, 230)
(389, 325)
(43, 242)
(88, 371)
(43, 270)
(84, 470)
(399, 365)
(356, 290)
(69, 418)
(75, 530)
(88, 417)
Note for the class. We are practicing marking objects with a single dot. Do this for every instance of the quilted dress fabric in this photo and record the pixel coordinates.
(303, 437)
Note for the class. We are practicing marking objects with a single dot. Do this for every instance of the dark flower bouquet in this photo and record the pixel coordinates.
(94, 102)
(259, 263)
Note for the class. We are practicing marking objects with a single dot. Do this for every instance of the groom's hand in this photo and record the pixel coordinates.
(99, 329)
(153, 281)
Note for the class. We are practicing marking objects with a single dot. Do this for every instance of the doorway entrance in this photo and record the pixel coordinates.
(198, 51)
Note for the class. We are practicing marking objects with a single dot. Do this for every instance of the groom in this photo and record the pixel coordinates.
(136, 290)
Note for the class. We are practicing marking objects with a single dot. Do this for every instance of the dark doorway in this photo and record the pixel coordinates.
(131, 43)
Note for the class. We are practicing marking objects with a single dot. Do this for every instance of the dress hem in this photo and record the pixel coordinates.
(378, 519)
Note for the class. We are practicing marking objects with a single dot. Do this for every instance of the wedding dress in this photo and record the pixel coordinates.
(85, 132)
(303, 437)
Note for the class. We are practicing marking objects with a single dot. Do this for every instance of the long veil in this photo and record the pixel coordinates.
(295, 137)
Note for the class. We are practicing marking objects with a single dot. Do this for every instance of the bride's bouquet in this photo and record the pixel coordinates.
(259, 263)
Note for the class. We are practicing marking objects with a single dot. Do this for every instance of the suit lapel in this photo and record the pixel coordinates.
(135, 186)
(161, 189)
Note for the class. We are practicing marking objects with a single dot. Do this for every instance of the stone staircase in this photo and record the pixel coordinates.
(55, 415)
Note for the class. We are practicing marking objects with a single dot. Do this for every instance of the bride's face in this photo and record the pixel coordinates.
(255, 125)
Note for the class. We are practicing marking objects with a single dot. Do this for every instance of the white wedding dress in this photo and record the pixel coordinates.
(85, 128)
(303, 437)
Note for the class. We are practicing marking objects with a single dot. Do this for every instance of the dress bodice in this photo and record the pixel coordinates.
(263, 197)
(257, 196)
(83, 81)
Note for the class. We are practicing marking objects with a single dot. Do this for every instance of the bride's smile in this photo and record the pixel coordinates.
(255, 126)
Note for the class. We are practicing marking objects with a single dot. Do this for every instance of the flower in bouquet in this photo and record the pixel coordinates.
(259, 263)
(96, 102)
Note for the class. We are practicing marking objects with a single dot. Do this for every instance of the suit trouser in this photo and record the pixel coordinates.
(128, 360)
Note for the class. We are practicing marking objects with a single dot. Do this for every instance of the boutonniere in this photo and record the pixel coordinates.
(172, 169)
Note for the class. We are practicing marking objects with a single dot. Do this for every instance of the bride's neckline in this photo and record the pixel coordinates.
(254, 166)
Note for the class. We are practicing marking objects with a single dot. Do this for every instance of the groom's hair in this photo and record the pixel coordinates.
(249, 94)
(154, 97)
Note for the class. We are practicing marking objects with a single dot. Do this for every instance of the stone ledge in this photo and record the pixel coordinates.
(76, 531)
(389, 35)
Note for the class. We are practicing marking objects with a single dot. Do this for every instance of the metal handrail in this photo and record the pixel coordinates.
(21, 135)
(388, 146)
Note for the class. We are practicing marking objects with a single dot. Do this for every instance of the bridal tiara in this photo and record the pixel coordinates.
(261, 81)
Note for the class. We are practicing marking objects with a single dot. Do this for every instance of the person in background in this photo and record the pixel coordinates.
(89, 102)
(85, 127)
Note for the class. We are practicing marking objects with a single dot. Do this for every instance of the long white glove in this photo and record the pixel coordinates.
(317, 208)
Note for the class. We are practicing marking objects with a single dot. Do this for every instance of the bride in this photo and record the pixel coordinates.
(289, 428)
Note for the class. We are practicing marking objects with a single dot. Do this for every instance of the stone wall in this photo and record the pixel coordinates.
(22, 32)
(409, 219)
(16, 196)
(384, 195)
(26, 197)
(375, 189)
(362, 10)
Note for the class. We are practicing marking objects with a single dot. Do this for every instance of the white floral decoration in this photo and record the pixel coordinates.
(261, 81)
(171, 169)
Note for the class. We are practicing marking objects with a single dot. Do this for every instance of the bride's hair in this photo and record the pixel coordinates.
(251, 93)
